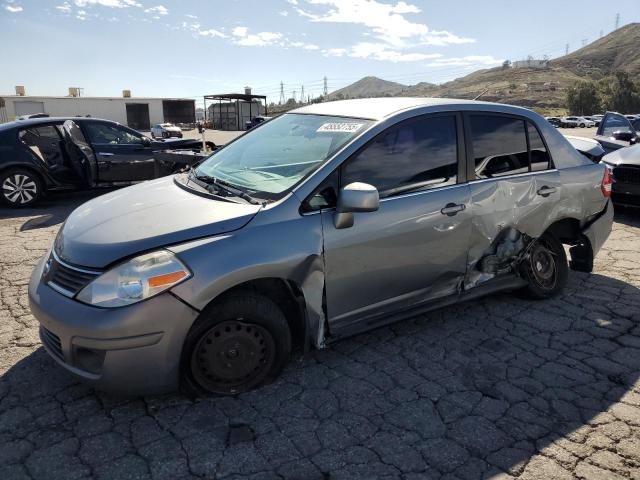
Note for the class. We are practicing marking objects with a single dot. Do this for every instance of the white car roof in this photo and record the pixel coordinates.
(379, 108)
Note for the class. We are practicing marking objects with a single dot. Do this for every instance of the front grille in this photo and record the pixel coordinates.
(66, 279)
(52, 342)
(627, 174)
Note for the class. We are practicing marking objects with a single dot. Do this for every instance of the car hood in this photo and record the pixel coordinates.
(144, 217)
(627, 155)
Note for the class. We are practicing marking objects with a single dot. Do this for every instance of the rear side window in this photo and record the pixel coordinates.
(415, 155)
(540, 158)
(102, 133)
(499, 146)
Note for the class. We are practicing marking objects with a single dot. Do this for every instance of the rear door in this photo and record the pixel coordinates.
(82, 160)
(618, 125)
(513, 183)
(122, 153)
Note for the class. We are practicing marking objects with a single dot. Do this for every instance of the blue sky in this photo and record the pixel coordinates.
(189, 48)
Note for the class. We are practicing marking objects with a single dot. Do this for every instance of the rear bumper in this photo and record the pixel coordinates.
(128, 350)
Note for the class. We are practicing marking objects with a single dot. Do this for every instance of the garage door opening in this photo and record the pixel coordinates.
(138, 116)
(179, 111)
(28, 107)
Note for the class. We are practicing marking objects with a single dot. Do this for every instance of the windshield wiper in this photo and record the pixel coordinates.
(215, 182)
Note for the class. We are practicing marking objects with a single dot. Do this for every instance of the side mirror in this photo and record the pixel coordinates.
(355, 197)
(146, 142)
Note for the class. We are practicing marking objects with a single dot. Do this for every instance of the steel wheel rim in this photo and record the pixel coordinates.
(19, 188)
(233, 356)
(543, 266)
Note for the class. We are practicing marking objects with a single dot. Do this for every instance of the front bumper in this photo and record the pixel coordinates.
(626, 194)
(128, 350)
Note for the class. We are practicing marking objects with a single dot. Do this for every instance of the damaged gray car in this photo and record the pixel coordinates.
(327, 221)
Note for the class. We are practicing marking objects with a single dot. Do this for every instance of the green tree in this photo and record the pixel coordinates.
(619, 93)
(582, 98)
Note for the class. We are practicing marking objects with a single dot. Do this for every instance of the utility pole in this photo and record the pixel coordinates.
(325, 91)
(282, 99)
(566, 49)
(617, 20)
(302, 94)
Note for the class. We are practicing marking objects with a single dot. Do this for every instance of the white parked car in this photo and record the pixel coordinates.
(165, 130)
(578, 122)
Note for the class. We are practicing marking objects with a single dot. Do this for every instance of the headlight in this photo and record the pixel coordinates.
(135, 280)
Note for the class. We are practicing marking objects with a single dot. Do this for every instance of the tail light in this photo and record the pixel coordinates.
(607, 182)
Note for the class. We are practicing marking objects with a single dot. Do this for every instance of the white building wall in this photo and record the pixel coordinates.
(108, 108)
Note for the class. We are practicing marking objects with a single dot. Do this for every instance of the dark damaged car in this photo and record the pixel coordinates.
(329, 220)
(39, 155)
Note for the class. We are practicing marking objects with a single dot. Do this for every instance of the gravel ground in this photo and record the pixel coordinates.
(495, 388)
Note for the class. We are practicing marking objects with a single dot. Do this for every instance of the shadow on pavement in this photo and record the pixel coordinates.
(472, 390)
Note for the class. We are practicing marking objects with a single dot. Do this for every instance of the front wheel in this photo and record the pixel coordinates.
(239, 343)
(20, 187)
(582, 125)
(545, 268)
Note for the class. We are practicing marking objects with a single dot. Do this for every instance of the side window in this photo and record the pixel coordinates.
(101, 133)
(499, 146)
(416, 155)
(615, 123)
(540, 158)
(325, 196)
(44, 142)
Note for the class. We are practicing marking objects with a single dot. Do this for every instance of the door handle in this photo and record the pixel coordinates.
(106, 154)
(546, 191)
(452, 209)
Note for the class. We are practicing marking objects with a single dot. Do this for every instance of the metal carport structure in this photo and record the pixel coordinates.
(229, 99)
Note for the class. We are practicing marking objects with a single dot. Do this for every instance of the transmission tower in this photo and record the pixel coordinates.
(617, 20)
(302, 94)
(601, 33)
(566, 49)
(293, 95)
(584, 41)
(325, 91)
(282, 99)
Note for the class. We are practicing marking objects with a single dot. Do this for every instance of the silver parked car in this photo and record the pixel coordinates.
(329, 220)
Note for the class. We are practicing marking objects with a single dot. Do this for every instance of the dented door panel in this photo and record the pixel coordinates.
(406, 252)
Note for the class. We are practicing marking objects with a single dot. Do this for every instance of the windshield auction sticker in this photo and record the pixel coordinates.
(345, 127)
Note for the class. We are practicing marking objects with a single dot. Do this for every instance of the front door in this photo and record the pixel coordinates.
(123, 155)
(82, 160)
(414, 248)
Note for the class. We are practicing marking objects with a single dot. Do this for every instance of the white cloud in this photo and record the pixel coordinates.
(12, 7)
(311, 46)
(158, 10)
(193, 17)
(385, 21)
(65, 7)
(293, 2)
(211, 33)
(284, 13)
(81, 15)
(380, 51)
(469, 60)
(108, 3)
(335, 52)
(260, 39)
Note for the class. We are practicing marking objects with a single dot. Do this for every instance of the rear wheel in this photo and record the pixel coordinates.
(20, 187)
(545, 268)
(165, 134)
(240, 343)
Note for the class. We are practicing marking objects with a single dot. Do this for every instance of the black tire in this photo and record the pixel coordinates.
(153, 135)
(545, 268)
(20, 187)
(237, 344)
(582, 125)
(165, 134)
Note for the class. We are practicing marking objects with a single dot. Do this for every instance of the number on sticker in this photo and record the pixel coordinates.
(339, 127)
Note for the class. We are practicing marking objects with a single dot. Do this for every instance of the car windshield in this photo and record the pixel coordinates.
(270, 160)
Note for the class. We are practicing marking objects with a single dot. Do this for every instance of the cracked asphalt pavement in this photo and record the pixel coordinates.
(495, 388)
